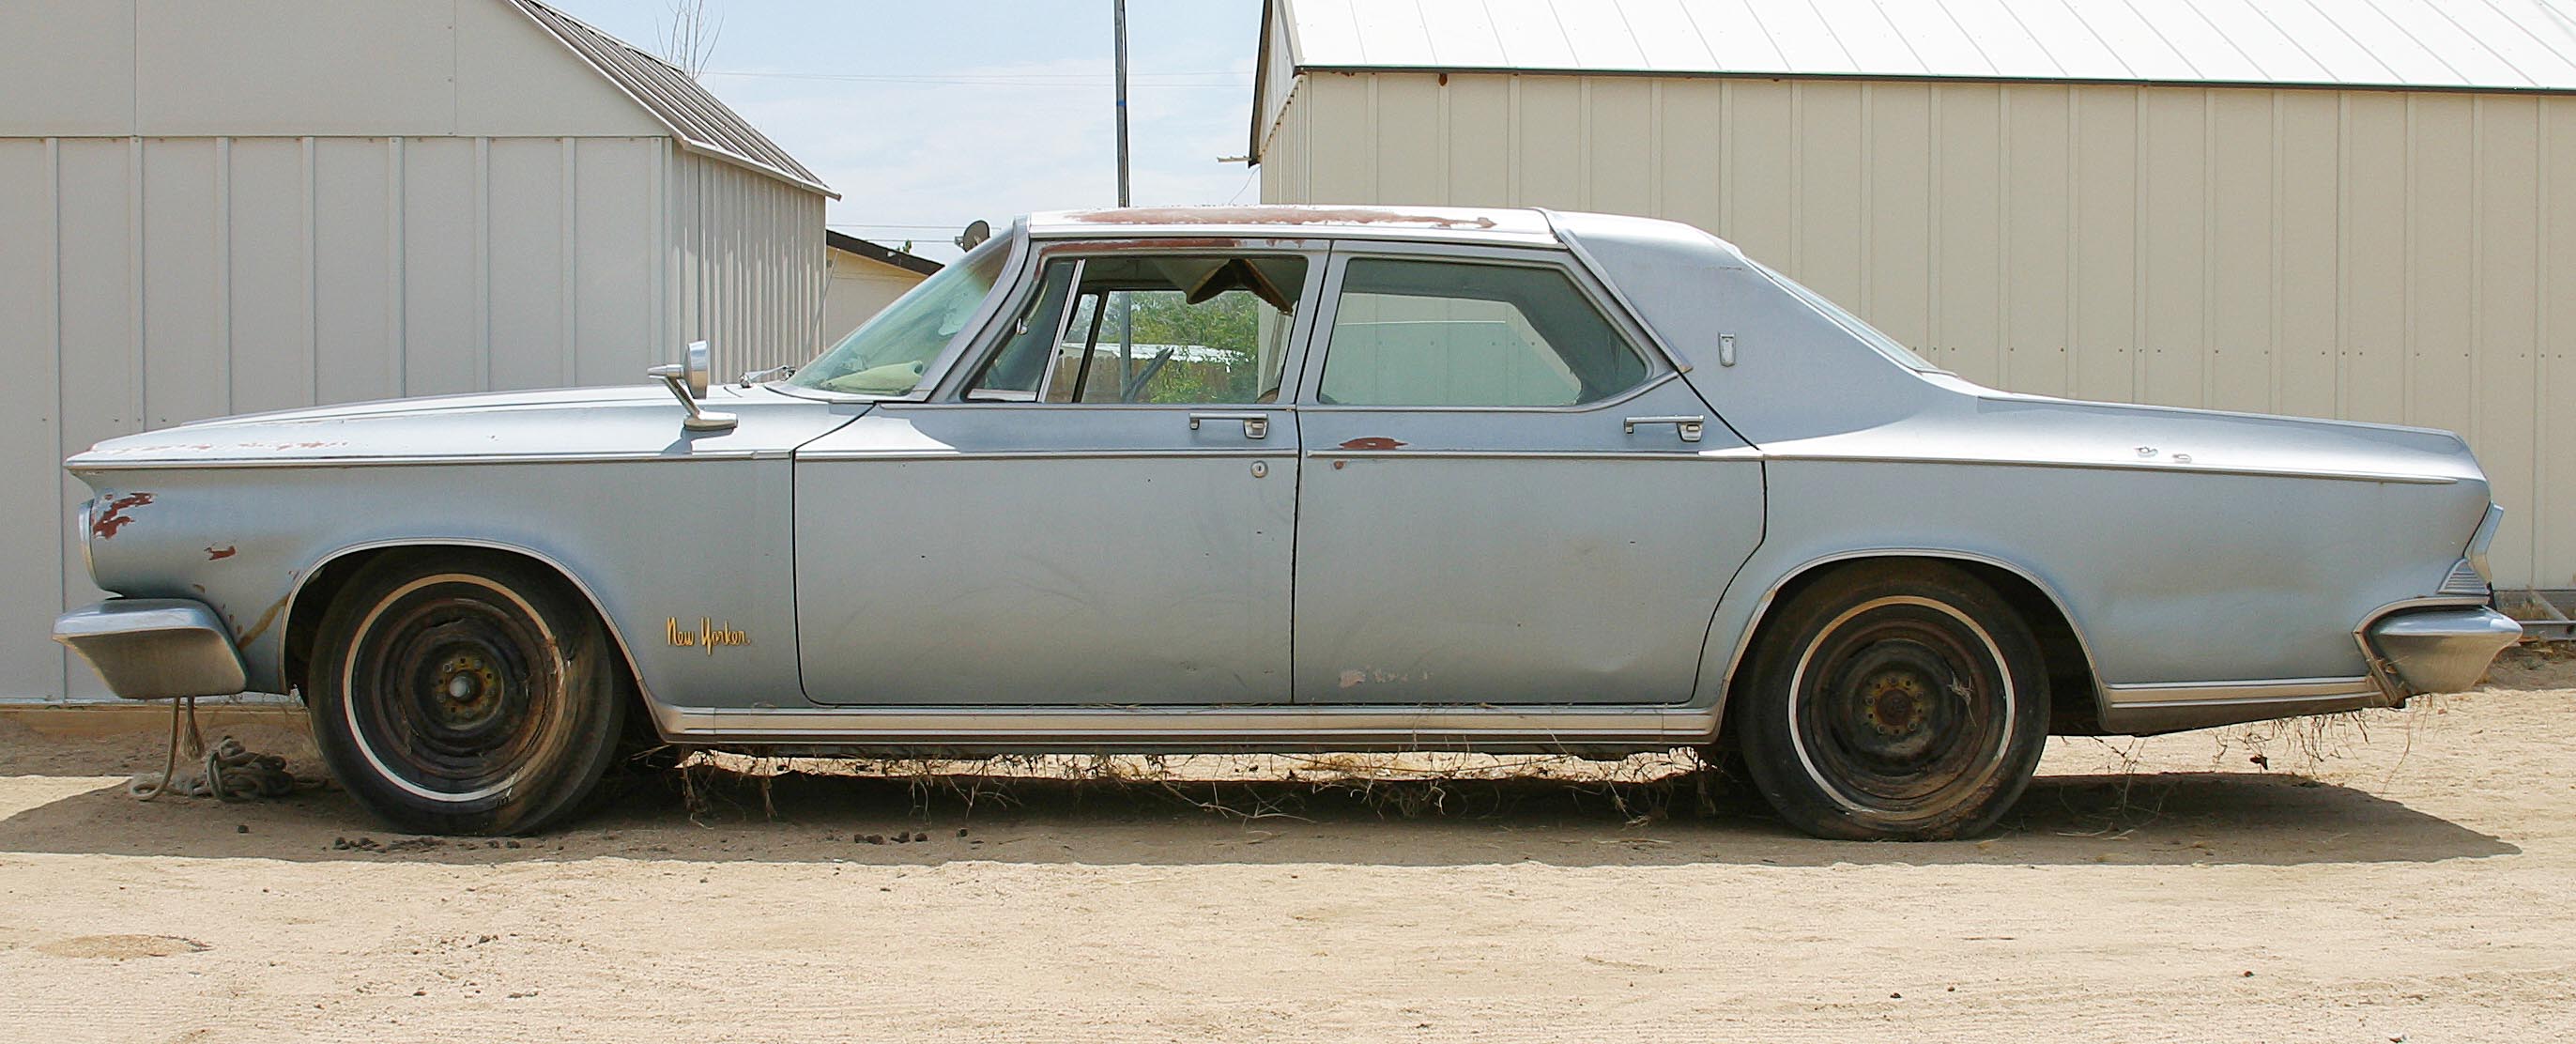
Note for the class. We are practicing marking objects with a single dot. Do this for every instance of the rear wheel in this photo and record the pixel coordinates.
(466, 693)
(1894, 703)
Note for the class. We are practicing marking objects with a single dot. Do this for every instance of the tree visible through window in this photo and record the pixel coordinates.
(1171, 329)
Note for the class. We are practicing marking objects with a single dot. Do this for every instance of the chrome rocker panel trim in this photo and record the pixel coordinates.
(2147, 710)
(155, 648)
(1274, 727)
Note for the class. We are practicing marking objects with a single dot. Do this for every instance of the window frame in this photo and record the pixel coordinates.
(1319, 350)
(1031, 280)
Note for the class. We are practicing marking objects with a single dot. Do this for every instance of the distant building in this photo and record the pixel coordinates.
(209, 209)
(2357, 210)
(865, 278)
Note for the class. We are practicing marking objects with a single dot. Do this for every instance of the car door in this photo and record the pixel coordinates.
(1509, 495)
(1098, 508)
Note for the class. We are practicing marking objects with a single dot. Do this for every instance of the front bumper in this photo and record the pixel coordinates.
(2442, 650)
(155, 648)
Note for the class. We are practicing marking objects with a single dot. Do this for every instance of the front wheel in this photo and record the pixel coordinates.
(1894, 703)
(465, 693)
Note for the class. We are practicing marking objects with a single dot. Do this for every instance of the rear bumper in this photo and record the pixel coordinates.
(2442, 650)
(155, 648)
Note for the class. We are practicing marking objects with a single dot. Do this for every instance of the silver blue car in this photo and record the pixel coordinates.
(1291, 478)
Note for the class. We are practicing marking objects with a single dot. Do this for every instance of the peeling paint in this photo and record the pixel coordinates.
(1373, 442)
(214, 554)
(113, 517)
(1275, 216)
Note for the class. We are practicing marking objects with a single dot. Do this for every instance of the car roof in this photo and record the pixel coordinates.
(1503, 225)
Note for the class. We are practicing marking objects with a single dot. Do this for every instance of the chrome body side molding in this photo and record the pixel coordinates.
(1195, 727)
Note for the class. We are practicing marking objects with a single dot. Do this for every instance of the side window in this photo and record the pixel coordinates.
(1164, 328)
(1445, 333)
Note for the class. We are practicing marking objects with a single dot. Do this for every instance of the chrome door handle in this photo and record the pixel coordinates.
(1255, 425)
(1687, 427)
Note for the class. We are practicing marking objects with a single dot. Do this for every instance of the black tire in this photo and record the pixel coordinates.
(1897, 703)
(466, 692)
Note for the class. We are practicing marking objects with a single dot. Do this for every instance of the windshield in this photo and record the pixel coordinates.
(886, 355)
(1870, 335)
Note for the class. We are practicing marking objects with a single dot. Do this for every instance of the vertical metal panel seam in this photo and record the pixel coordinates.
(2544, 191)
(223, 317)
(1511, 145)
(2343, 240)
(1868, 194)
(1725, 157)
(312, 276)
(2276, 267)
(2004, 355)
(2209, 346)
(2477, 260)
(2074, 240)
(1797, 180)
(567, 264)
(394, 317)
(139, 395)
(2408, 344)
(2140, 147)
(1655, 147)
(61, 687)
(483, 263)
(1584, 126)
(1934, 99)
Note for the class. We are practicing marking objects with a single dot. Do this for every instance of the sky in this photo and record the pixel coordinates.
(928, 115)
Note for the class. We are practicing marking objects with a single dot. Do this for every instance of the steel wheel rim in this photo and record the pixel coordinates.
(1902, 708)
(451, 688)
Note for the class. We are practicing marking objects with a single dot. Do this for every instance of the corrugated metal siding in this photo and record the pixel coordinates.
(2367, 255)
(151, 281)
(2487, 44)
(747, 264)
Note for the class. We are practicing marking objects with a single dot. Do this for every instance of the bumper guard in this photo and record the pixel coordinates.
(155, 648)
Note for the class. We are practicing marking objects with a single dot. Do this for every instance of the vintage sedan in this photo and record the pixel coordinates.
(1272, 478)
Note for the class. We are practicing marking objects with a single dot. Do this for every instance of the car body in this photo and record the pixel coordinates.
(1450, 541)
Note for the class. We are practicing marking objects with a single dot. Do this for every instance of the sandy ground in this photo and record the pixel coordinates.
(2401, 878)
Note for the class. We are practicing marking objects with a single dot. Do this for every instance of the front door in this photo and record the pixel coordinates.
(1100, 510)
(1504, 498)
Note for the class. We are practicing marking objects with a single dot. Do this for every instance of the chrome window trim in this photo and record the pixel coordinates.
(1651, 383)
(1477, 454)
(1592, 266)
(935, 372)
(951, 388)
(1659, 360)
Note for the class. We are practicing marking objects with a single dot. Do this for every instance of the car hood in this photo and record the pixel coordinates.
(633, 421)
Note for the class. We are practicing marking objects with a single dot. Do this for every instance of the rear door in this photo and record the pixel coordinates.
(1508, 496)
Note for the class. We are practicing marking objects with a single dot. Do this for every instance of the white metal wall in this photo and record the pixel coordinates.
(151, 281)
(2384, 256)
(748, 264)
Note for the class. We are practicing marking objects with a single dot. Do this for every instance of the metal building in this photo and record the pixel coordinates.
(865, 278)
(209, 209)
(2341, 208)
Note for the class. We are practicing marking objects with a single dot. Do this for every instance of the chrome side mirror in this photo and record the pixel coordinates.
(694, 373)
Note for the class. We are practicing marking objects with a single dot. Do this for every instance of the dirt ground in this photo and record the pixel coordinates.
(2401, 877)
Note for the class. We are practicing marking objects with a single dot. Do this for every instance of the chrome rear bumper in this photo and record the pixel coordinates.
(155, 648)
(2442, 650)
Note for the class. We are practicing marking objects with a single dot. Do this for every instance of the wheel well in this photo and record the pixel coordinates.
(2073, 694)
(313, 601)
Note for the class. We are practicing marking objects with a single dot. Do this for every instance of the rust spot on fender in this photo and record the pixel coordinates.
(113, 517)
(214, 554)
(260, 626)
(1373, 442)
(1276, 216)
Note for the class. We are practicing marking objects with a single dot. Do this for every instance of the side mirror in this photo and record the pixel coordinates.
(688, 383)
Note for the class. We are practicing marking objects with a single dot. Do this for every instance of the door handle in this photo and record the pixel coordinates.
(1686, 427)
(1255, 425)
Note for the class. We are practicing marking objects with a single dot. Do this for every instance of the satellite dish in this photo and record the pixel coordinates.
(976, 232)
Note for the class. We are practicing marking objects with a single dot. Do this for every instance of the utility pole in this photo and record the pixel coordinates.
(1126, 304)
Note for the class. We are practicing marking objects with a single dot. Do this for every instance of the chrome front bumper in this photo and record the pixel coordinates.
(155, 648)
(2442, 650)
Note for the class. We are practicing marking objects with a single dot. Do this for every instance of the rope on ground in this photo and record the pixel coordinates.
(226, 770)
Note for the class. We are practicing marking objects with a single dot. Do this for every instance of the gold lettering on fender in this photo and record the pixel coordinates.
(708, 635)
